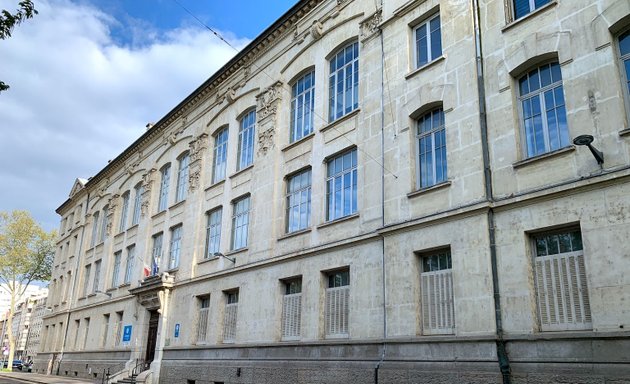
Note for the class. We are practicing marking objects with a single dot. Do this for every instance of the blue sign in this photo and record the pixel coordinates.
(126, 334)
(177, 330)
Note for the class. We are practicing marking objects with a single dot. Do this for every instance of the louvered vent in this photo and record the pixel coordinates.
(337, 309)
(229, 322)
(202, 331)
(562, 292)
(291, 316)
(437, 302)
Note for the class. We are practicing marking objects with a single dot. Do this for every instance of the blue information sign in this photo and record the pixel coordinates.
(176, 330)
(126, 334)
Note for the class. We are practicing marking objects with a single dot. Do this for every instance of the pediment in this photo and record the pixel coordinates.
(79, 184)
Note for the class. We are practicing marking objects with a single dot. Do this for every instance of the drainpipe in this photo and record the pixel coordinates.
(502, 355)
(74, 286)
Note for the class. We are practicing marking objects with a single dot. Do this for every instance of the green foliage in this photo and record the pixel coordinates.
(9, 20)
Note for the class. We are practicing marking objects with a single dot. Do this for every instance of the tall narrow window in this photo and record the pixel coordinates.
(166, 177)
(213, 232)
(156, 254)
(544, 115)
(77, 328)
(436, 286)
(202, 324)
(131, 259)
(87, 331)
(343, 90)
(97, 276)
(561, 287)
(95, 220)
(240, 223)
(431, 136)
(137, 204)
(116, 269)
(337, 304)
(246, 140)
(86, 279)
(428, 41)
(299, 201)
(119, 328)
(182, 178)
(302, 106)
(624, 52)
(123, 213)
(230, 316)
(523, 7)
(104, 224)
(341, 185)
(105, 330)
(175, 247)
(220, 155)
(292, 309)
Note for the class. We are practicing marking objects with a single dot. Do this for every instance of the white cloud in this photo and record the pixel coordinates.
(78, 98)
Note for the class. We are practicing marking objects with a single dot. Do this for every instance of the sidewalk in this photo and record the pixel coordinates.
(42, 379)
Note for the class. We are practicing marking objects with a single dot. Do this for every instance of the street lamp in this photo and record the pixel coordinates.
(587, 140)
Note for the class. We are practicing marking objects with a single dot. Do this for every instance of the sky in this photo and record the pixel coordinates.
(86, 77)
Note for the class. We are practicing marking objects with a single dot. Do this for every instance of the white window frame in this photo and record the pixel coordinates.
(625, 74)
(219, 163)
(116, 269)
(246, 131)
(298, 200)
(137, 204)
(213, 232)
(562, 295)
(426, 26)
(104, 224)
(531, 5)
(240, 222)
(436, 289)
(156, 253)
(164, 184)
(123, 213)
(95, 220)
(97, 275)
(182, 177)
(131, 260)
(426, 163)
(302, 106)
(344, 72)
(554, 86)
(175, 247)
(338, 175)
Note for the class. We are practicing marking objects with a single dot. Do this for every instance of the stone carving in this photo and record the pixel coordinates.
(317, 29)
(197, 147)
(268, 100)
(370, 26)
(102, 190)
(193, 178)
(230, 95)
(147, 184)
(133, 165)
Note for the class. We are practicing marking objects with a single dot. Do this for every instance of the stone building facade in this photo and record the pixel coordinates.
(369, 192)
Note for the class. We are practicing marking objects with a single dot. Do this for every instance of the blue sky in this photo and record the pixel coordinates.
(87, 75)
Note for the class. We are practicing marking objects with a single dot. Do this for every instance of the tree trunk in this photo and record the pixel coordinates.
(10, 328)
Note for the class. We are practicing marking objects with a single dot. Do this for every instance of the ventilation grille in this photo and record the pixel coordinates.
(437, 302)
(337, 308)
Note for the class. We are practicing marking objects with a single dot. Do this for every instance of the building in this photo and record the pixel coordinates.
(369, 192)
(27, 318)
(5, 298)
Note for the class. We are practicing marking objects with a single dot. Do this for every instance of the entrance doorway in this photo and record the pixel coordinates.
(154, 318)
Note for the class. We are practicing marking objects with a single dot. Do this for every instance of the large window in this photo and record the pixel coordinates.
(240, 223)
(230, 316)
(86, 279)
(299, 201)
(156, 254)
(175, 247)
(337, 304)
(292, 309)
(165, 181)
(561, 288)
(246, 140)
(202, 323)
(131, 258)
(220, 155)
(302, 106)
(544, 116)
(431, 137)
(624, 51)
(213, 232)
(341, 185)
(343, 88)
(123, 212)
(182, 178)
(428, 41)
(523, 7)
(104, 224)
(97, 276)
(94, 229)
(137, 204)
(116, 269)
(436, 287)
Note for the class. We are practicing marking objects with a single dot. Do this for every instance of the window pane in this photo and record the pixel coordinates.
(343, 87)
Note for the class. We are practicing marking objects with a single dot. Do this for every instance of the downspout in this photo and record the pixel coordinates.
(384, 292)
(74, 286)
(502, 355)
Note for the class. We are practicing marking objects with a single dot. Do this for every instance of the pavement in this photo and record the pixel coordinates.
(25, 377)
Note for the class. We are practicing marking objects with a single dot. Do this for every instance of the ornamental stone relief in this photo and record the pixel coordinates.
(370, 26)
(193, 178)
(147, 184)
(198, 147)
(268, 100)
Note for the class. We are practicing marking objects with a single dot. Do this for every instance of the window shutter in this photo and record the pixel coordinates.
(229, 322)
(437, 302)
(203, 324)
(292, 316)
(337, 310)
(562, 292)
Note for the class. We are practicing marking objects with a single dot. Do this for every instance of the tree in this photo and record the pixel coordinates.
(9, 20)
(26, 255)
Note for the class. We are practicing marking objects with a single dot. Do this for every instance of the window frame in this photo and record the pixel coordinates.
(235, 243)
(338, 285)
(298, 194)
(157, 250)
(354, 185)
(625, 71)
(231, 305)
(203, 308)
(130, 263)
(213, 232)
(432, 134)
(116, 268)
(301, 124)
(426, 24)
(337, 65)
(246, 138)
(95, 220)
(220, 152)
(123, 213)
(531, 6)
(291, 320)
(165, 181)
(437, 316)
(97, 275)
(182, 177)
(175, 246)
(104, 223)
